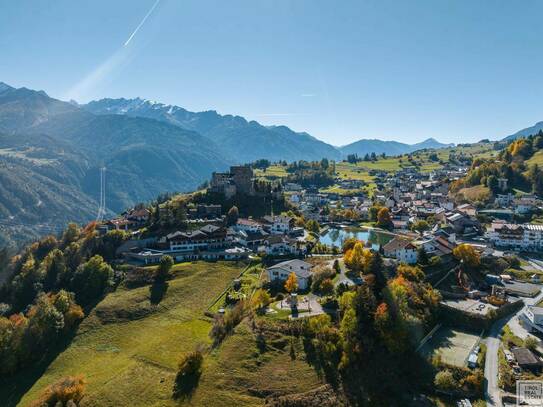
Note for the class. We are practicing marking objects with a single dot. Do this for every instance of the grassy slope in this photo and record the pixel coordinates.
(476, 193)
(537, 158)
(238, 374)
(360, 170)
(128, 349)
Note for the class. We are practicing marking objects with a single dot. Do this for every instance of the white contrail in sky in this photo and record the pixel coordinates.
(90, 84)
(142, 22)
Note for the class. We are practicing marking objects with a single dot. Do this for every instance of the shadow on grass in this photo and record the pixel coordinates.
(294, 311)
(157, 292)
(13, 388)
(185, 386)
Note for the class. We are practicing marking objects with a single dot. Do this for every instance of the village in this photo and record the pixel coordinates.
(484, 260)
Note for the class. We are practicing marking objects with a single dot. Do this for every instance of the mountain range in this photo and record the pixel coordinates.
(51, 153)
(239, 140)
(528, 131)
(367, 146)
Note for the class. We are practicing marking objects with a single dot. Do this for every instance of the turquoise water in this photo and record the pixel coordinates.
(335, 237)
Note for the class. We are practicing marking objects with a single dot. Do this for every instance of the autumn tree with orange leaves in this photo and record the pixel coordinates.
(291, 285)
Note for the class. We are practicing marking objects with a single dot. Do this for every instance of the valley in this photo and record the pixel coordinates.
(264, 281)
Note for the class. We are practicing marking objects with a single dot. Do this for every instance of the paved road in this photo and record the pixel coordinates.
(492, 391)
(342, 276)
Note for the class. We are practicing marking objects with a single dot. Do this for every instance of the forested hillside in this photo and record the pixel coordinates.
(238, 139)
(519, 163)
(51, 152)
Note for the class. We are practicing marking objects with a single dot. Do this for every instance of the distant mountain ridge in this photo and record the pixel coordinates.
(51, 152)
(240, 140)
(528, 131)
(368, 146)
(249, 140)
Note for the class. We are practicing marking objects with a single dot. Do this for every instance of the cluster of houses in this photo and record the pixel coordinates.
(133, 219)
(410, 196)
(274, 235)
(526, 237)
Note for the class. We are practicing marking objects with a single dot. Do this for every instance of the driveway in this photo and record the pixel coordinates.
(312, 305)
(309, 305)
(343, 279)
(492, 391)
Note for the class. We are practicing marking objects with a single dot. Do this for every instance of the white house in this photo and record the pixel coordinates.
(208, 237)
(295, 198)
(279, 224)
(251, 239)
(277, 245)
(292, 187)
(523, 206)
(523, 237)
(401, 249)
(248, 225)
(532, 318)
(467, 209)
(300, 268)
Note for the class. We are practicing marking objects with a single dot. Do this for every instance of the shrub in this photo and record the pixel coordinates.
(445, 381)
(188, 373)
(5, 309)
(68, 389)
(162, 273)
(435, 261)
(319, 276)
(530, 342)
(474, 381)
(261, 299)
(513, 261)
(327, 287)
(224, 325)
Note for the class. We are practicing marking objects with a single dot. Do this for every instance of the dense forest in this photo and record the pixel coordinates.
(53, 283)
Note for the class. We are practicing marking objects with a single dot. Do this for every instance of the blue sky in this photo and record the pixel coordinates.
(456, 70)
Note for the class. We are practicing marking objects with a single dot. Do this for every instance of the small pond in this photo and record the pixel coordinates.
(336, 236)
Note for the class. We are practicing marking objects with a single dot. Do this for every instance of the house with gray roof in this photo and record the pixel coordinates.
(281, 271)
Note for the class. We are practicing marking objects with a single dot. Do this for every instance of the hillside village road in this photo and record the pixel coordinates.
(492, 391)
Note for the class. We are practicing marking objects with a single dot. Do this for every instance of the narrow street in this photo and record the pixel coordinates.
(492, 391)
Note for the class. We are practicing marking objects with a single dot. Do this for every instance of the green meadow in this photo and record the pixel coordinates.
(128, 350)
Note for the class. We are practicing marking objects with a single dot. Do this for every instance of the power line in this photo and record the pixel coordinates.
(102, 207)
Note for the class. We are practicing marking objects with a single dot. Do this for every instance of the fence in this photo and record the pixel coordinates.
(428, 337)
